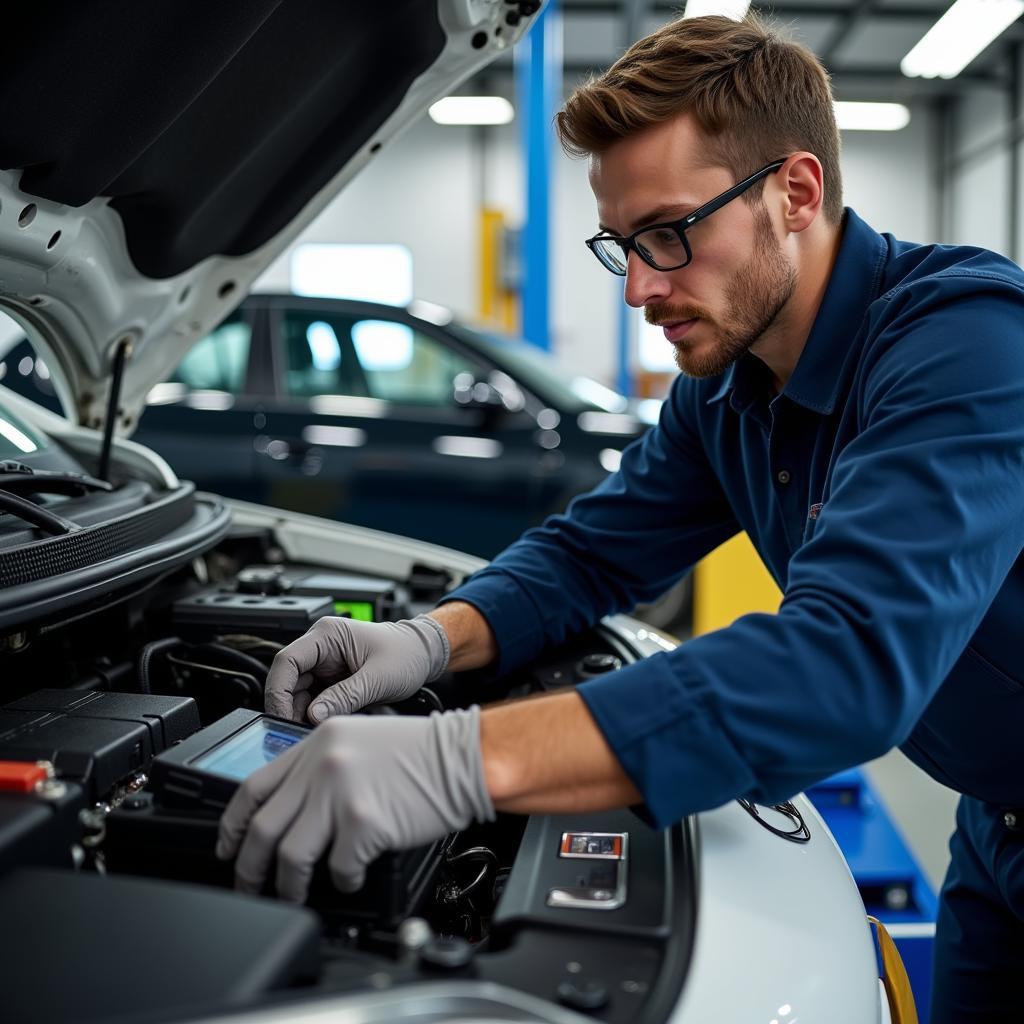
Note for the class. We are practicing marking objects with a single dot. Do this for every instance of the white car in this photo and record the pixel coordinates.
(163, 157)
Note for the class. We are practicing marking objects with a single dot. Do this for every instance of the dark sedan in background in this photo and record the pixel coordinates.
(396, 419)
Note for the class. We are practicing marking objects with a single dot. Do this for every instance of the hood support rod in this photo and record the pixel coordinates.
(121, 355)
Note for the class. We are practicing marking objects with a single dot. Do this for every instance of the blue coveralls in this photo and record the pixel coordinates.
(884, 489)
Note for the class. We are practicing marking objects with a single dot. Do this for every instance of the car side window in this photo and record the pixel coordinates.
(217, 362)
(319, 358)
(404, 365)
(328, 354)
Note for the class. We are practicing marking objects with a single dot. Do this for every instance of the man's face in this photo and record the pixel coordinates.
(739, 280)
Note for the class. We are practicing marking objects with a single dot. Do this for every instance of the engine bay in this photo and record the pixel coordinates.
(111, 710)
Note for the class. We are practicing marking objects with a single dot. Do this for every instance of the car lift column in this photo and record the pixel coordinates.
(538, 64)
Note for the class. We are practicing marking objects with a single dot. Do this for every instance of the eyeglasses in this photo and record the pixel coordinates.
(665, 246)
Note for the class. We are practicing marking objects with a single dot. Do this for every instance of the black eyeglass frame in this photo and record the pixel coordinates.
(680, 227)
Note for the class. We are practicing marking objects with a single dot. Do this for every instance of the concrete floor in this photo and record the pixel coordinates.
(923, 810)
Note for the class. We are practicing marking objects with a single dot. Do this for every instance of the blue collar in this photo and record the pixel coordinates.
(818, 375)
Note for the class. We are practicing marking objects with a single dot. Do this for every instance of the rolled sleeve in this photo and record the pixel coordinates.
(667, 739)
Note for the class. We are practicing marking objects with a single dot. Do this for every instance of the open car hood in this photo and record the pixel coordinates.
(156, 158)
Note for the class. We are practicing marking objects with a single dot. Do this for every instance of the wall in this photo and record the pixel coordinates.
(979, 185)
(888, 177)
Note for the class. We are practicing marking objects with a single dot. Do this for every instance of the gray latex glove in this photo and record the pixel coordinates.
(358, 785)
(368, 662)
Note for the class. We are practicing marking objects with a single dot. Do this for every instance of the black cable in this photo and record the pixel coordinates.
(147, 655)
(474, 853)
(244, 662)
(431, 698)
(801, 834)
(243, 681)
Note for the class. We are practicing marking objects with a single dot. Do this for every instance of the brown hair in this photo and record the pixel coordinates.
(756, 95)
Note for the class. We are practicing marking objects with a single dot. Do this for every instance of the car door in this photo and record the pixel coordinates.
(366, 428)
(204, 417)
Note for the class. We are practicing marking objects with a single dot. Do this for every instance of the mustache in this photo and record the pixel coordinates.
(665, 313)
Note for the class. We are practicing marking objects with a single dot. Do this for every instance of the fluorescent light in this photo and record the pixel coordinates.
(735, 9)
(872, 117)
(472, 110)
(959, 36)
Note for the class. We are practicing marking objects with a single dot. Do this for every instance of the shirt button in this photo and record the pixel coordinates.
(783, 476)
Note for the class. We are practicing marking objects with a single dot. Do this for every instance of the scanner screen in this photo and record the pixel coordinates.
(245, 752)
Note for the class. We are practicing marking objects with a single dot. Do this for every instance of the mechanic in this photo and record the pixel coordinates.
(853, 402)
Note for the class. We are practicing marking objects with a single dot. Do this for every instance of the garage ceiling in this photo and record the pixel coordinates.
(861, 42)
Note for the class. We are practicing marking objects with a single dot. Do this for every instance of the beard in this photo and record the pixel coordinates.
(754, 298)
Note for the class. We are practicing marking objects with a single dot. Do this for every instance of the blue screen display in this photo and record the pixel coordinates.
(252, 748)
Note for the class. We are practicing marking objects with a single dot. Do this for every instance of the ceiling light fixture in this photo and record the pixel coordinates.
(735, 9)
(959, 36)
(472, 110)
(871, 117)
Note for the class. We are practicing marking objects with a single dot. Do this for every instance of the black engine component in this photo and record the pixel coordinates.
(166, 949)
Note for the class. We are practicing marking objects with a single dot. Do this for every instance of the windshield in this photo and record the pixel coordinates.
(544, 375)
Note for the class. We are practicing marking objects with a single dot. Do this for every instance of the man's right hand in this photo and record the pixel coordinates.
(360, 663)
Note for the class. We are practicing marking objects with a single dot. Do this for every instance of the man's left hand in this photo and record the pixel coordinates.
(357, 786)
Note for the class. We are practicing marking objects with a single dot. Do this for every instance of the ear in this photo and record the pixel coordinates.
(800, 181)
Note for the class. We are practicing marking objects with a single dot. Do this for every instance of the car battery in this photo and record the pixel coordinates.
(170, 829)
(95, 740)
(94, 752)
(168, 719)
(145, 837)
(38, 826)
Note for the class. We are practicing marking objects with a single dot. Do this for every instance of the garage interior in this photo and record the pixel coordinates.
(474, 222)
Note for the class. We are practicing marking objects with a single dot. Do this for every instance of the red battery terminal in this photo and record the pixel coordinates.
(24, 776)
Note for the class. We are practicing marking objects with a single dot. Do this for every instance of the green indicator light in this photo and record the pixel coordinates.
(362, 610)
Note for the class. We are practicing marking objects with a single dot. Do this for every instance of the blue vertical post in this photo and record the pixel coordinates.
(538, 92)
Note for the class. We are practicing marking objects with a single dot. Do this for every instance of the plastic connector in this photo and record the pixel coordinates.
(23, 776)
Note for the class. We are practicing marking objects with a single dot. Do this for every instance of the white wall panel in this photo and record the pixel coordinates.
(888, 178)
(980, 188)
(981, 204)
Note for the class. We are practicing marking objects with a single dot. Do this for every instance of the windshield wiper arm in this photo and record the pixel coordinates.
(17, 478)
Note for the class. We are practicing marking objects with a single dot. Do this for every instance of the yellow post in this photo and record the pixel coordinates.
(497, 305)
(730, 582)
